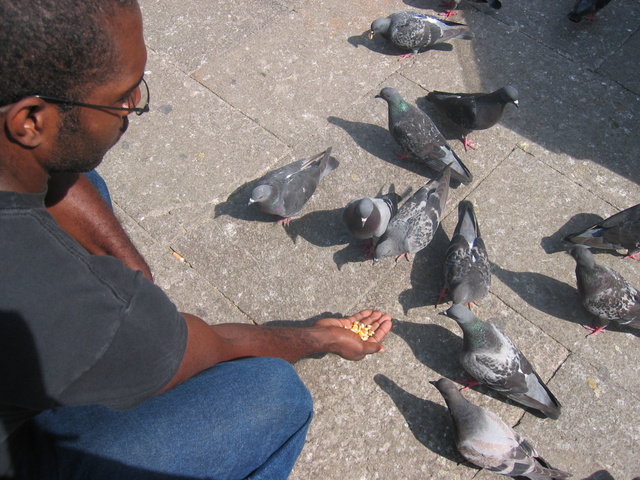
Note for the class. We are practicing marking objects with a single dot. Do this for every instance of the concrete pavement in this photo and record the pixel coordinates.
(241, 87)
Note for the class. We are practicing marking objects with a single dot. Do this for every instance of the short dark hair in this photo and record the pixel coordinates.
(57, 48)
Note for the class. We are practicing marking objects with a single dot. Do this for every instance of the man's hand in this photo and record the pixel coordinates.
(348, 344)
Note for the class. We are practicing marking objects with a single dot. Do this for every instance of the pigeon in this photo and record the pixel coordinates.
(367, 218)
(467, 272)
(486, 441)
(617, 232)
(492, 359)
(285, 191)
(586, 9)
(604, 292)
(414, 31)
(474, 111)
(418, 136)
(417, 220)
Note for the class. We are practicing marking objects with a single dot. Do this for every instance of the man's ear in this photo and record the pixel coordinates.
(30, 120)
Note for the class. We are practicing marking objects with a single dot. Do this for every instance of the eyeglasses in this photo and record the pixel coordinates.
(142, 106)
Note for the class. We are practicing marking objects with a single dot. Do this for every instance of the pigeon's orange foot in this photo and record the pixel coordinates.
(635, 256)
(468, 143)
(448, 14)
(468, 384)
(403, 156)
(441, 296)
(595, 330)
(405, 255)
(284, 221)
(405, 55)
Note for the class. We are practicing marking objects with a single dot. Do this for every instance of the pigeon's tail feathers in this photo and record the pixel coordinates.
(550, 409)
(459, 171)
(461, 32)
(328, 163)
(467, 222)
(544, 471)
(591, 237)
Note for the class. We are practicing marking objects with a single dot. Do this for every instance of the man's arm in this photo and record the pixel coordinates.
(208, 345)
(80, 210)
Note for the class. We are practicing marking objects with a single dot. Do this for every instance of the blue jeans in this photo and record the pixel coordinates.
(242, 419)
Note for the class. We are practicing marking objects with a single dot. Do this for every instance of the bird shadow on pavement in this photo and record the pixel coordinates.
(379, 143)
(544, 293)
(601, 475)
(553, 243)
(323, 228)
(434, 346)
(426, 275)
(429, 422)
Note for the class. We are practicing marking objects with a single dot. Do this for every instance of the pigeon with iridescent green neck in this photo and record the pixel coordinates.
(418, 136)
(492, 358)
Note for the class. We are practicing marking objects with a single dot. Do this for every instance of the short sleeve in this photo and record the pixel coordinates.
(143, 355)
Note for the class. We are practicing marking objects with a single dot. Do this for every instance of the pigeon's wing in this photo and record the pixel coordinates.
(417, 134)
(614, 298)
(623, 229)
(299, 183)
(460, 108)
(411, 31)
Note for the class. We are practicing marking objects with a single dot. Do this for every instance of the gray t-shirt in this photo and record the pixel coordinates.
(75, 328)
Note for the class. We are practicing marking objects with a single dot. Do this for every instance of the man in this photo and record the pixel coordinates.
(100, 376)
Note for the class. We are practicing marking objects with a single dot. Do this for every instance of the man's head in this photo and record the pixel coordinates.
(55, 47)
(89, 51)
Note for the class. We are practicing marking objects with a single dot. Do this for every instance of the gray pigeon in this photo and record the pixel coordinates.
(604, 292)
(285, 191)
(617, 232)
(467, 272)
(474, 111)
(367, 218)
(417, 220)
(486, 441)
(586, 9)
(415, 31)
(492, 359)
(418, 136)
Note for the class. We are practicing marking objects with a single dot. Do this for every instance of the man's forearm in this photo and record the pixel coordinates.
(80, 210)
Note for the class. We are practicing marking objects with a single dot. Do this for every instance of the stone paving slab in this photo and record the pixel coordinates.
(241, 88)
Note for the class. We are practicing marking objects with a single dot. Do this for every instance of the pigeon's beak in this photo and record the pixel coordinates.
(251, 200)
(443, 313)
(515, 102)
(371, 35)
(363, 220)
(378, 96)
